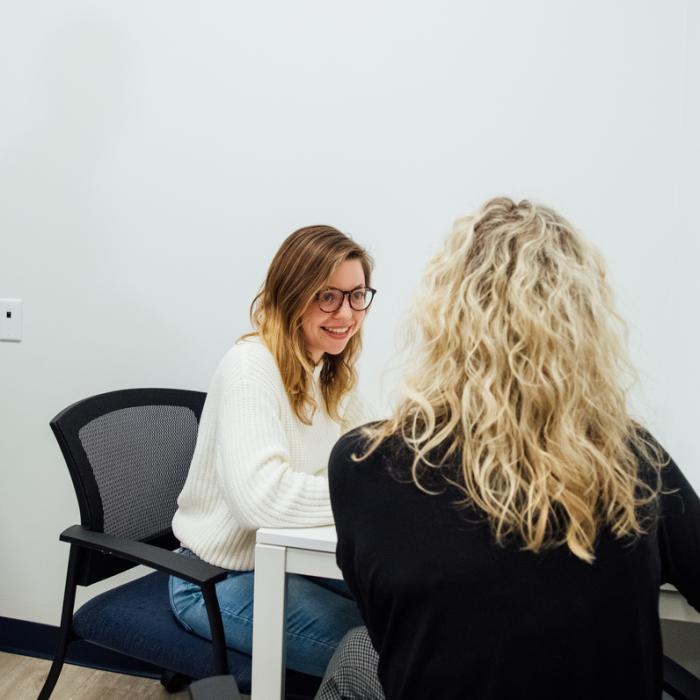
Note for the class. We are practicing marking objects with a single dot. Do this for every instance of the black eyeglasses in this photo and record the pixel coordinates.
(331, 299)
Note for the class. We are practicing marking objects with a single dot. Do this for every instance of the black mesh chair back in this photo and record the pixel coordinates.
(128, 453)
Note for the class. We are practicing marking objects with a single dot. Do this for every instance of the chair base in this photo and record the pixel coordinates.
(215, 688)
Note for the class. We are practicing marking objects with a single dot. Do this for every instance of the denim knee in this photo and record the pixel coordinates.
(317, 616)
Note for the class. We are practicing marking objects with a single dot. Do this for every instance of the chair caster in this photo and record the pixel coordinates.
(174, 682)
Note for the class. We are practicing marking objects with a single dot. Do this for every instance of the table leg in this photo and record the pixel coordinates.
(269, 600)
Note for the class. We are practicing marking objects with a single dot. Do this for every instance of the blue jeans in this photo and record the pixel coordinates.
(319, 613)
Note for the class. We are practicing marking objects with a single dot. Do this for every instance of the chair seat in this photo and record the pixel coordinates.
(135, 619)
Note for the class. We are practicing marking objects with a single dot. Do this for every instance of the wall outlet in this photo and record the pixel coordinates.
(11, 319)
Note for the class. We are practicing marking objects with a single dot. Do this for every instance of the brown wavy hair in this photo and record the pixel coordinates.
(297, 273)
(518, 375)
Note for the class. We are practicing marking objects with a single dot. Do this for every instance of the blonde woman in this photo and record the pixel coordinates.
(278, 402)
(506, 531)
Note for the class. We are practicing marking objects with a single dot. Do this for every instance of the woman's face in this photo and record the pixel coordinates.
(330, 332)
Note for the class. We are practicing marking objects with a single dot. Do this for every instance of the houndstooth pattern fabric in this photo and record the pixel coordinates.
(352, 671)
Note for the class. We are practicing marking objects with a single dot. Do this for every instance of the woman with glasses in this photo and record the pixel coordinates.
(506, 531)
(279, 400)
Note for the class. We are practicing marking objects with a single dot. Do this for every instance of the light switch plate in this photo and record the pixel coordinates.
(11, 319)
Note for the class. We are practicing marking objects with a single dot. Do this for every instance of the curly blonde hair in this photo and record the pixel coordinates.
(300, 268)
(520, 375)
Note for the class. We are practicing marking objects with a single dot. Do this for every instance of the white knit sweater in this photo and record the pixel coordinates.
(255, 463)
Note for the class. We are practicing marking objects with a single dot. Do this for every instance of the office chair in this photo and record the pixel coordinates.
(128, 453)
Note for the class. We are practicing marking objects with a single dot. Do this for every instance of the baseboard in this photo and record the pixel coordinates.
(39, 640)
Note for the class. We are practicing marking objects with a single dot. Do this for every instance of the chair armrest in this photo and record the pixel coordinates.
(193, 570)
(680, 683)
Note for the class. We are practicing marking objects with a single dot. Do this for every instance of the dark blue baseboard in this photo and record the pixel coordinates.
(39, 640)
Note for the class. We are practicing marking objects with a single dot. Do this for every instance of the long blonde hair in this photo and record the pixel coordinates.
(301, 266)
(520, 376)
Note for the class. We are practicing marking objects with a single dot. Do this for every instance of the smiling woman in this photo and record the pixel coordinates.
(307, 266)
(329, 322)
(279, 400)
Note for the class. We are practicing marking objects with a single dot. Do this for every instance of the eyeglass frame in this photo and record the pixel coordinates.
(345, 294)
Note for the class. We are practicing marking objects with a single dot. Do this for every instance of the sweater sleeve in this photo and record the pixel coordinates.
(344, 484)
(679, 534)
(360, 507)
(252, 463)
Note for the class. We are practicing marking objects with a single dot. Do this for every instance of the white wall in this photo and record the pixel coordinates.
(154, 155)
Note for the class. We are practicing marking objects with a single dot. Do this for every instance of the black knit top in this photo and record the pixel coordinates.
(454, 615)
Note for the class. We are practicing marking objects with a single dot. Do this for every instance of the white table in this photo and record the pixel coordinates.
(311, 551)
(673, 606)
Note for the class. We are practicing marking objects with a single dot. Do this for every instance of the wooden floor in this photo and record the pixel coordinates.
(21, 678)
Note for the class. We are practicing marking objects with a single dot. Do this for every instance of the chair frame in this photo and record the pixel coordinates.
(95, 555)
